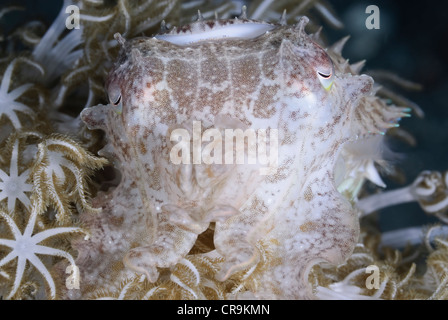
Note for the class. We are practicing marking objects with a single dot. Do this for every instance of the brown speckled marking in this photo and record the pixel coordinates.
(308, 195)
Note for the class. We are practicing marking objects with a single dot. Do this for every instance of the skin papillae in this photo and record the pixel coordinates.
(264, 227)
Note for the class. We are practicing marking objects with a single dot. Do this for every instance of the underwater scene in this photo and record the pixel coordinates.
(223, 150)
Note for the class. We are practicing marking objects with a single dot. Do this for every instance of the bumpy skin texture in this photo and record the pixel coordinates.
(152, 219)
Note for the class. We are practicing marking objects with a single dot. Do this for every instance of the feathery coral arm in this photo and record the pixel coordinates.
(14, 229)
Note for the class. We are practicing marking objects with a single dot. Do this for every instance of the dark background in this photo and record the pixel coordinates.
(411, 42)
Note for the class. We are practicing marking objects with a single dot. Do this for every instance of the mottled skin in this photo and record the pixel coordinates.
(269, 82)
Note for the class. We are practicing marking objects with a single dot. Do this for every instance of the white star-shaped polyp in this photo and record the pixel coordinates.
(25, 247)
(14, 186)
(8, 104)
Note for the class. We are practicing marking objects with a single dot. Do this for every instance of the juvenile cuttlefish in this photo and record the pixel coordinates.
(278, 92)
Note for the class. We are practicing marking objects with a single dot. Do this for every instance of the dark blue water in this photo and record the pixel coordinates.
(411, 42)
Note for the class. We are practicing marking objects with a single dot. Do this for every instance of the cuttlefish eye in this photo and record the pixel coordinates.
(116, 100)
(326, 78)
(325, 71)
